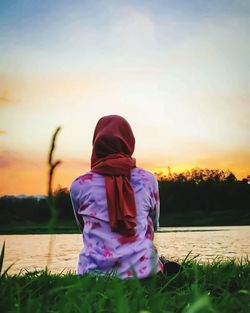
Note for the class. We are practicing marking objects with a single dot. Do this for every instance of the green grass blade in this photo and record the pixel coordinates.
(7, 269)
(2, 257)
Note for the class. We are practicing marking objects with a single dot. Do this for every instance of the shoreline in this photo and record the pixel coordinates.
(63, 229)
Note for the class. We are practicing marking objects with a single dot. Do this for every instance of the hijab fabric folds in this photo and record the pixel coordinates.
(113, 146)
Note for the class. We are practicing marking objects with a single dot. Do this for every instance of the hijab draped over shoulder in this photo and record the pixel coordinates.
(113, 146)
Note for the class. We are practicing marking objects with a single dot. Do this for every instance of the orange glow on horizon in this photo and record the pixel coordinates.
(239, 172)
(31, 179)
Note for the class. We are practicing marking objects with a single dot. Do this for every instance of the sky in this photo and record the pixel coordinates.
(178, 71)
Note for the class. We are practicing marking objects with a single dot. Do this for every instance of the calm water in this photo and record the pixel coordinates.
(31, 252)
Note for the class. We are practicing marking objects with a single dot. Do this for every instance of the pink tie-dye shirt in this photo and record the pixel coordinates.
(105, 251)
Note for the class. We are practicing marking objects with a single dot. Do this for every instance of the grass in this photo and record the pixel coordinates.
(216, 287)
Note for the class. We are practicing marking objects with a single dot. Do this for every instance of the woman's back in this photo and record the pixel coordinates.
(108, 251)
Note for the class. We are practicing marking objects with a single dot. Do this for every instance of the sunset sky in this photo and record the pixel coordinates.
(178, 71)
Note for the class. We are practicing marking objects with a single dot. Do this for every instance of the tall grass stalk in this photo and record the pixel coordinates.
(50, 198)
(1, 262)
(51, 203)
(2, 257)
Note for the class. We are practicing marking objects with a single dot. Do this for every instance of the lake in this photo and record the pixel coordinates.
(31, 252)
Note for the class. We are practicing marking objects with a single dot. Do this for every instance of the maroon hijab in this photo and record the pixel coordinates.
(113, 146)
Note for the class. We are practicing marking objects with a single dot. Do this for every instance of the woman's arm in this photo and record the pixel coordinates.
(75, 205)
(79, 220)
(154, 211)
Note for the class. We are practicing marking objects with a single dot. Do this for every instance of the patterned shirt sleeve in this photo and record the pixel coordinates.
(75, 204)
(154, 211)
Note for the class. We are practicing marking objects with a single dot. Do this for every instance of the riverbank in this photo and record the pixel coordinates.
(216, 287)
(41, 228)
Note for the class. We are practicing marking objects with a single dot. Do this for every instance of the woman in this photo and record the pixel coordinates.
(116, 205)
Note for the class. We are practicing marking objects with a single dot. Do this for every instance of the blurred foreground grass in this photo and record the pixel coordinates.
(216, 287)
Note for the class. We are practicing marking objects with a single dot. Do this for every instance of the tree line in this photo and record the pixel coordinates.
(186, 198)
(204, 196)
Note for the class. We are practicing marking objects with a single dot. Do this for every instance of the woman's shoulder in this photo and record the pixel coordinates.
(84, 180)
(139, 172)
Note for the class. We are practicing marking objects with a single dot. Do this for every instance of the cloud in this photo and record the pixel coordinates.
(10, 158)
(25, 174)
(134, 29)
(4, 162)
(25, 90)
(4, 99)
(8, 86)
(75, 163)
(7, 158)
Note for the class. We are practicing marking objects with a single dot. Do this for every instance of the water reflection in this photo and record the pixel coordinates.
(30, 252)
